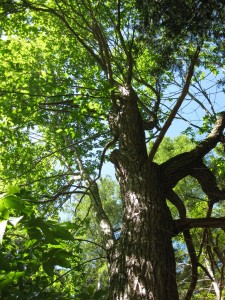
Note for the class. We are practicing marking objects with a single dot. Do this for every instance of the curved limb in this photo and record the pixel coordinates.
(175, 200)
(185, 163)
(208, 183)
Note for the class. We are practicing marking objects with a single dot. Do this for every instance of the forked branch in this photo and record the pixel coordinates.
(187, 163)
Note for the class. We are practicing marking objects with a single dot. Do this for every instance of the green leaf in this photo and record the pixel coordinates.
(4, 212)
(61, 232)
(13, 202)
(35, 233)
(3, 225)
(49, 235)
(83, 296)
(9, 278)
(100, 294)
(62, 261)
(91, 290)
(48, 267)
(59, 130)
(13, 189)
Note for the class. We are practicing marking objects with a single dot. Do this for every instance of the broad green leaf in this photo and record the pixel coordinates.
(62, 262)
(2, 229)
(13, 202)
(61, 232)
(48, 267)
(35, 233)
(4, 212)
(13, 189)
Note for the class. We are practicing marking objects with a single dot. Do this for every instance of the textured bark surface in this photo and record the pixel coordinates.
(142, 265)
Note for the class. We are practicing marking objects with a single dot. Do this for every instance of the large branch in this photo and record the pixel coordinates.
(176, 107)
(178, 203)
(194, 263)
(183, 164)
(183, 224)
(208, 182)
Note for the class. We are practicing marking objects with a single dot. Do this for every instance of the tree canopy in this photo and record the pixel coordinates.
(87, 82)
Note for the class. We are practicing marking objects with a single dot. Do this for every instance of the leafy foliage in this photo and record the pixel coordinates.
(35, 253)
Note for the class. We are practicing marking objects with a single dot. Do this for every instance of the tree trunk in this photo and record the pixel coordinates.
(141, 263)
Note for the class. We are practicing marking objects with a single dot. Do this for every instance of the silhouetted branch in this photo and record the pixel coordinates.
(183, 224)
(184, 164)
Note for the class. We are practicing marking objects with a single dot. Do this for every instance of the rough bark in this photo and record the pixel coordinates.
(142, 265)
